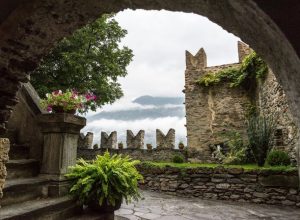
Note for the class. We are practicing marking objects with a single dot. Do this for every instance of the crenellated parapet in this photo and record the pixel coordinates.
(165, 141)
(135, 141)
(86, 141)
(109, 141)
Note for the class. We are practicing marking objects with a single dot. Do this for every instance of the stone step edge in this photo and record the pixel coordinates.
(20, 162)
(19, 182)
(34, 209)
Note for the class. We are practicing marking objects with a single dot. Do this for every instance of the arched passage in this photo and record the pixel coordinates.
(29, 29)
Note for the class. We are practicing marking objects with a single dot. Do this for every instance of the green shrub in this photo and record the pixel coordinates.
(260, 132)
(278, 158)
(178, 159)
(237, 149)
(105, 179)
(252, 68)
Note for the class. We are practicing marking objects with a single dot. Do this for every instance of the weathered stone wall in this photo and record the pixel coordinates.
(235, 184)
(213, 110)
(165, 141)
(271, 99)
(4, 148)
(135, 141)
(157, 155)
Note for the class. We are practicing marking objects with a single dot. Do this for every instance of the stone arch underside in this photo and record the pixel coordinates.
(29, 29)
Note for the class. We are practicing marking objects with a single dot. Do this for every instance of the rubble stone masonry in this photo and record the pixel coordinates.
(214, 110)
(4, 148)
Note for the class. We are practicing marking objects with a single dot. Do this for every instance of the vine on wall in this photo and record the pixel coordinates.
(252, 68)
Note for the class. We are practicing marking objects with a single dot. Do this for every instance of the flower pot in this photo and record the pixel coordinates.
(60, 109)
(104, 208)
(181, 146)
(120, 146)
(149, 146)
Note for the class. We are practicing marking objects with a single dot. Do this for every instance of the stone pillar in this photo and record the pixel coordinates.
(165, 141)
(61, 132)
(109, 141)
(135, 142)
(4, 149)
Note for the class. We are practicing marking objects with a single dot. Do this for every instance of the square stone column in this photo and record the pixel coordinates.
(61, 132)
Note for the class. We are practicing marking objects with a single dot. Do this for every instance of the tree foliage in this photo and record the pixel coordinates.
(91, 60)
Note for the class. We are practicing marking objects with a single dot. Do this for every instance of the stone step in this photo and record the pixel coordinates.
(40, 209)
(19, 151)
(23, 189)
(22, 168)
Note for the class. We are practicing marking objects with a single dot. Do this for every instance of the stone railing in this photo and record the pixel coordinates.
(235, 184)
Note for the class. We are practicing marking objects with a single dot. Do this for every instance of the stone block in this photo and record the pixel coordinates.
(135, 141)
(109, 141)
(165, 141)
(86, 141)
(223, 186)
(279, 181)
(4, 149)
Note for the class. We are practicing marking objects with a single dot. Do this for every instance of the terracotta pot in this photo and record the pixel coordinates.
(59, 109)
(104, 208)
(181, 146)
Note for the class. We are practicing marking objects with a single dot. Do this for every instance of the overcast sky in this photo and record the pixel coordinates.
(159, 40)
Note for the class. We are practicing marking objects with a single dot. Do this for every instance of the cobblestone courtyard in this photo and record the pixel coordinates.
(166, 207)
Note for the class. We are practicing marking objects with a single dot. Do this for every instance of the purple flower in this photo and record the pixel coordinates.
(49, 108)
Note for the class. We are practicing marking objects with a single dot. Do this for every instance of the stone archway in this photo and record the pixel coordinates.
(29, 29)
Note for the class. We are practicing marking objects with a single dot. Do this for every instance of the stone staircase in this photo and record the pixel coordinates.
(26, 193)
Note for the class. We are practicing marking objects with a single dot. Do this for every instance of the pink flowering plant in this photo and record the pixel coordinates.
(68, 102)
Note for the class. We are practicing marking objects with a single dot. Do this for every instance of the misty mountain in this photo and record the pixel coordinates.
(158, 101)
(158, 107)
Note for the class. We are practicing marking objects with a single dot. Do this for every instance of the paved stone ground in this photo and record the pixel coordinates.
(166, 207)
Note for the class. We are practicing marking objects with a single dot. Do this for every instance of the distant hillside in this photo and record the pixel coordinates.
(150, 100)
(160, 109)
(137, 114)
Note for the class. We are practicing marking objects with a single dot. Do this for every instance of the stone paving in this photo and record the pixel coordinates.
(167, 207)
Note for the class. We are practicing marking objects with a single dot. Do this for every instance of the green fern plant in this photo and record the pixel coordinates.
(107, 179)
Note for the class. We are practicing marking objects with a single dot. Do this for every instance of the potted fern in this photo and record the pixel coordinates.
(105, 182)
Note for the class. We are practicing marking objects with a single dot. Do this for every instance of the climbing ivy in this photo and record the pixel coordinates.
(252, 68)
